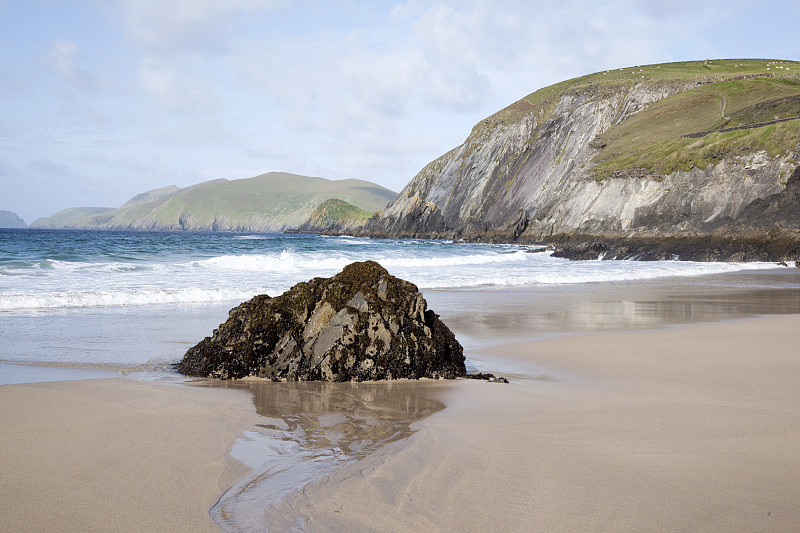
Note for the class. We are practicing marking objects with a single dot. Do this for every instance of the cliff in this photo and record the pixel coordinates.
(681, 157)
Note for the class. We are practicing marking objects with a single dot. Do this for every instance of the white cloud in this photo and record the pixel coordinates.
(187, 24)
(62, 58)
(174, 90)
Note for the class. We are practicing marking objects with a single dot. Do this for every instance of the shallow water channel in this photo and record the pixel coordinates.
(308, 431)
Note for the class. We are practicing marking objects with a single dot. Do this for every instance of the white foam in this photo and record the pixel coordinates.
(455, 260)
(61, 284)
(285, 261)
(288, 260)
(55, 300)
(583, 272)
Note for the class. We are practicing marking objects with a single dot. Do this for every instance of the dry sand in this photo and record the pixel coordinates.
(116, 455)
(695, 428)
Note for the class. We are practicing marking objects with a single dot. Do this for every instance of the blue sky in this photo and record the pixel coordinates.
(105, 99)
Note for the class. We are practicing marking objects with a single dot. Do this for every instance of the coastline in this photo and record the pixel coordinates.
(692, 428)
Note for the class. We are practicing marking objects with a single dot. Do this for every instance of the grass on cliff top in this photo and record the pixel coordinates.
(710, 70)
(706, 70)
(652, 139)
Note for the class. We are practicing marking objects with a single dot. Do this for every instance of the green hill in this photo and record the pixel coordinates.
(150, 196)
(335, 216)
(69, 218)
(270, 202)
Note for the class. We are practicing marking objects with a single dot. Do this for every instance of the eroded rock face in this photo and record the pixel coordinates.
(526, 175)
(361, 324)
(515, 170)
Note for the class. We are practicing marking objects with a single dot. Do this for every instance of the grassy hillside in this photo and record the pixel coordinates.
(73, 216)
(149, 196)
(269, 202)
(731, 93)
(335, 216)
(655, 139)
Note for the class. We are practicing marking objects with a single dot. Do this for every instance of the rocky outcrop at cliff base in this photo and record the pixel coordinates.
(361, 324)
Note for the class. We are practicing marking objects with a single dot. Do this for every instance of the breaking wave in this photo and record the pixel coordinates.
(153, 269)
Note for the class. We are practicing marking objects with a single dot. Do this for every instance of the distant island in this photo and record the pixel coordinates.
(272, 202)
(9, 219)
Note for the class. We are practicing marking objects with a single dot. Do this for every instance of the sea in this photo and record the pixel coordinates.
(77, 304)
(80, 304)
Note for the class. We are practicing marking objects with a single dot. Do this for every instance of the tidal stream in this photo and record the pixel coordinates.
(308, 431)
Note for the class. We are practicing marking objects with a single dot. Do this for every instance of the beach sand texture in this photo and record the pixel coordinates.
(695, 428)
(117, 455)
(692, 428)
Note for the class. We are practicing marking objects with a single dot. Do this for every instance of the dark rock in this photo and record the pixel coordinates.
(361, 324)
(773, 245)
(485, 376)
(581, 251)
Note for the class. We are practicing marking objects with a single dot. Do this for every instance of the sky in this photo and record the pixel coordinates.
(104, 99)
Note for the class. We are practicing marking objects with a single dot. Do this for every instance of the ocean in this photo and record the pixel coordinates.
(77, 304)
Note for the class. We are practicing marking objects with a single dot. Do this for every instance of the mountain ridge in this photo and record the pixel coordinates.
(271, 202)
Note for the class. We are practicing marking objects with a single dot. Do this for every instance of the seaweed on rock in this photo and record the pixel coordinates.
(361, 324)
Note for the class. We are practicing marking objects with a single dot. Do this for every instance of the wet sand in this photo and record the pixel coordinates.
(694, 428)
(127, 455)
(117, 455)
(309, 430)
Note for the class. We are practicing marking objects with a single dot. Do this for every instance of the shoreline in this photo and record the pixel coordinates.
(708, 246)
(692, 428)
(609, 430)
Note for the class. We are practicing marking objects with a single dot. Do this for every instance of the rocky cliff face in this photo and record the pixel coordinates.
(530, 173)
(517, 160)
(362, 324)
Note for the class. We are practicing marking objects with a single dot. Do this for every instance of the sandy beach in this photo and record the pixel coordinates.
(117, 455)
(693, 428)
(690, 428)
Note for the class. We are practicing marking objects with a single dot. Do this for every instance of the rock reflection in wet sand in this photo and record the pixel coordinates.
(308, 430)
